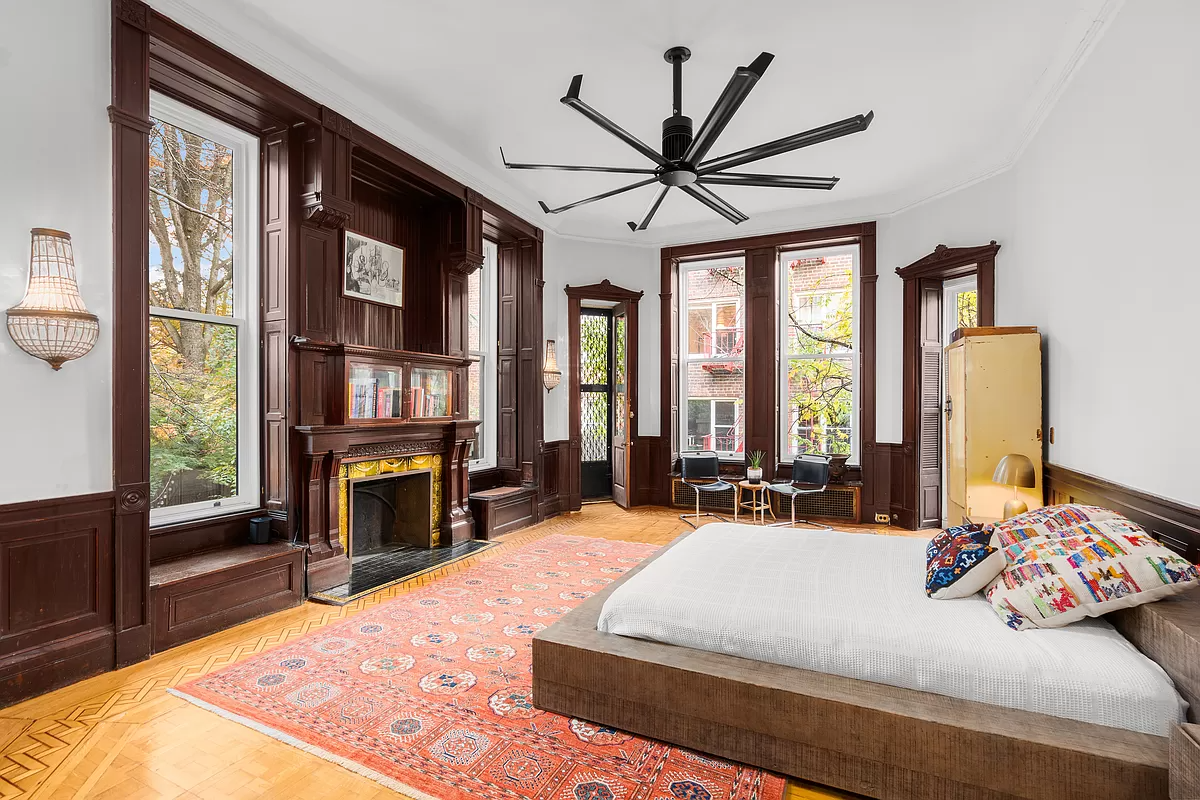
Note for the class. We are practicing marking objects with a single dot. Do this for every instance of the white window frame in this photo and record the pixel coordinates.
(485, 450)
(689, 359)
(246, 311)
(854, 354)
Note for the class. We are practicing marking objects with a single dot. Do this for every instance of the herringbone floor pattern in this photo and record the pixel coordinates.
(121, 736)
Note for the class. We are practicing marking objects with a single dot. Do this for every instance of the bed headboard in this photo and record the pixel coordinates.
(1168, 631)
(1175, 524)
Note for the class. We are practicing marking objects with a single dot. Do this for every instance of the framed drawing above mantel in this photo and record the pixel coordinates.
(374, 270)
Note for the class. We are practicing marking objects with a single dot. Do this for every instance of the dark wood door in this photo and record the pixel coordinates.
(620, 405)
(929, 440)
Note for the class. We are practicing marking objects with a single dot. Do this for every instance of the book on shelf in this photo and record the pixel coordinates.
(363, 397)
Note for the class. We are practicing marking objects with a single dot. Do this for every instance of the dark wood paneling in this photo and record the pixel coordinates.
(921, 277)
(56, 593)
(194, 537)
(762, 363)
(277, 322)
(381, 217)
(1175, 524)
(648, 467)
(503, 510)
(202, 594)
(130, 115)
(507, 318)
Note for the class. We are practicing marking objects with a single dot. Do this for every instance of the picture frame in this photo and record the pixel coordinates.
(372, 270)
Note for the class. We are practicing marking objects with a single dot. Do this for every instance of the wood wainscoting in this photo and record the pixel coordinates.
(1175, 524)
(56, 608)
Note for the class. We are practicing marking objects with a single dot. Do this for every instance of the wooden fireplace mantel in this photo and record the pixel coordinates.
(323, 448)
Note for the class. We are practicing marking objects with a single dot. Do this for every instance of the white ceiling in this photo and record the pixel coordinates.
(957, 86)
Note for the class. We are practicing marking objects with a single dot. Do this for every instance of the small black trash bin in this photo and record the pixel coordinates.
(260, 530)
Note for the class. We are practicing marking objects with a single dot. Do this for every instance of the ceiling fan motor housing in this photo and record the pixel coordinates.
(676, 137)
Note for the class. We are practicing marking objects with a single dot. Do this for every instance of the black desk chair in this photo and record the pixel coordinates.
(702, 472)
(810, 475)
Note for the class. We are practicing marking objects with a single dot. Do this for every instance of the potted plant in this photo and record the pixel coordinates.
(754, 468)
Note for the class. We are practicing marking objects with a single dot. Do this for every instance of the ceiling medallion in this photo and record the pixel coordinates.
(682, 160)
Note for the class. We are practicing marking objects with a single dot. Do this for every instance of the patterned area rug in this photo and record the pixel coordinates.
(430, 694)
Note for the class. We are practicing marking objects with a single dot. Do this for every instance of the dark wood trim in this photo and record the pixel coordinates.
(173, 541)
(202, 594)
(831, 235)
(944, 263)
(763, 290)
(576, 295)
(1175, 524)
(57, 608)
(131, 393)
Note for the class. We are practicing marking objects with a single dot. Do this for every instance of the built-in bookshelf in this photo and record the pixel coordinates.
(391, 386)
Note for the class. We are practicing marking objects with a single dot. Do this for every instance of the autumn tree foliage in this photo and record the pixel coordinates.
(193, 362)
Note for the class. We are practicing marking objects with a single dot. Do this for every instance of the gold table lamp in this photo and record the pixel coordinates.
(1015, 470)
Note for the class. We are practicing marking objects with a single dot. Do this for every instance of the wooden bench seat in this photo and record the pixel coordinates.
(199, 594)
(502, 509)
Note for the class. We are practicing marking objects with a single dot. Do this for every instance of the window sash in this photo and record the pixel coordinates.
(487, 355)
(851, 354)
(688, 358)
(245, 309)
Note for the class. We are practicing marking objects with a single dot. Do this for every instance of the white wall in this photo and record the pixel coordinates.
(1095, 223)
(55, 170)
(578, 263)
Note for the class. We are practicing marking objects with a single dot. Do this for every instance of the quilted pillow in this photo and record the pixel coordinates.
(1065, 574)
(961, 561)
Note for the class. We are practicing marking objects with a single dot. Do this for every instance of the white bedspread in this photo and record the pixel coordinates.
(854, 605)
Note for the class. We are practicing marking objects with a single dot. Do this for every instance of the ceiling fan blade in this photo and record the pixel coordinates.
(651, 210)
(824, 133)
(705, 195)
(573, 168)
(736, 92)
(572, 99)
(778, 181)
(587, 200)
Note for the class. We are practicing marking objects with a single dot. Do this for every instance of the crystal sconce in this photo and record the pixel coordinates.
(51, 321)
(551, 375)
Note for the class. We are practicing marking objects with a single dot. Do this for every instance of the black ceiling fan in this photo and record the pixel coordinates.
(681, 162)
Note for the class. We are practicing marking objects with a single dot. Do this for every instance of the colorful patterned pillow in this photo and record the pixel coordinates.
(1067, 574)
(961, 561)
(1049, 519)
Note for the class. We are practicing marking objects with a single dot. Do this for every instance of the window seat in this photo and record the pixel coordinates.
(199, 594)
(502, 509)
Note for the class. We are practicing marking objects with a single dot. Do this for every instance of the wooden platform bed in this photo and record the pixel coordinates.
(877, 740)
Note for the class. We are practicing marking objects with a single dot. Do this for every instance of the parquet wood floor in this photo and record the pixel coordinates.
(121, 736)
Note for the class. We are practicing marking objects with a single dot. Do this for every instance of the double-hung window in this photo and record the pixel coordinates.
(819, 358)
(204, 315)
(481, 344)
(712, 374)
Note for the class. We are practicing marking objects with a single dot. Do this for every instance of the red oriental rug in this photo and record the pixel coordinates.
(429, 694)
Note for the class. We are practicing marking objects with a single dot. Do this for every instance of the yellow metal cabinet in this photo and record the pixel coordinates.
(993, 408)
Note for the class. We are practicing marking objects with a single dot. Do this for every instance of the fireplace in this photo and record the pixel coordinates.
(390, 512)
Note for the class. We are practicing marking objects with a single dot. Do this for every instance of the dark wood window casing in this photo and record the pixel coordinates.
(916, 478)
(761, 255)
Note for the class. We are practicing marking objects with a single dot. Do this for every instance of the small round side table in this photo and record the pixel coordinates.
(758, 505)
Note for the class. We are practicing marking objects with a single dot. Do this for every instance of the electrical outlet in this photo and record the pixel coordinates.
(883, 519)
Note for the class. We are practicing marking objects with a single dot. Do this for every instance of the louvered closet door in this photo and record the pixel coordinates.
(956, 430)
(929, 444)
